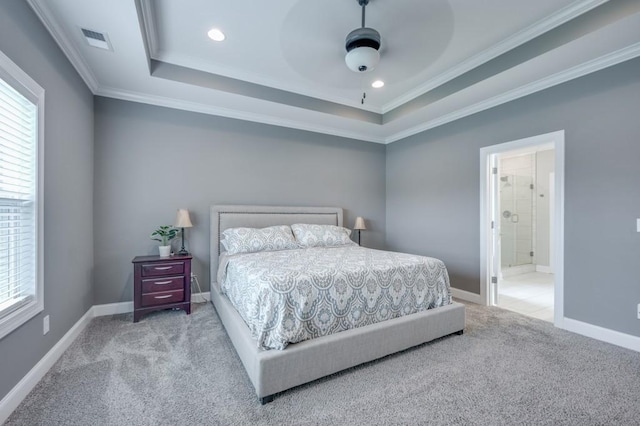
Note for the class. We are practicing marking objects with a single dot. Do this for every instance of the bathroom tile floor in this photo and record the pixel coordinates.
(529, 294)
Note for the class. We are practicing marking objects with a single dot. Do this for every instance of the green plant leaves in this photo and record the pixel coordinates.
(166, 234)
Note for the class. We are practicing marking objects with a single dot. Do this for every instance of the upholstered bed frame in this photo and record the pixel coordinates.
(273, 371)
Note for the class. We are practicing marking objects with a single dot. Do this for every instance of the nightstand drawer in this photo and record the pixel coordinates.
(161, 283)
(164, 268)
(154, 285)
(163, 298)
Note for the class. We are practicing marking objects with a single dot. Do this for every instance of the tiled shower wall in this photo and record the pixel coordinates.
(545, 164)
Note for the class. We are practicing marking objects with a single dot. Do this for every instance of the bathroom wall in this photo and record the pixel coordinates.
(544, 167)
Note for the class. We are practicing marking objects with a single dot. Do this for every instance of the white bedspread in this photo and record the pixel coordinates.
(293, 295)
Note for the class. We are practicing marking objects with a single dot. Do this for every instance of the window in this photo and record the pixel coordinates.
(21, 118)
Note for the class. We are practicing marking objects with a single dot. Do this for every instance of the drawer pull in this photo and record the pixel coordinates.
(163, 297)
(164, 268)
(162, 282)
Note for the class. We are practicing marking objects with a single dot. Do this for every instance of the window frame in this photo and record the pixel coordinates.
(13, 75)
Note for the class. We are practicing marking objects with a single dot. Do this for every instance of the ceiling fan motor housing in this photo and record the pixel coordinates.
(362, 46)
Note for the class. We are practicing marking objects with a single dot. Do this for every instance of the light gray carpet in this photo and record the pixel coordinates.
(171, 369)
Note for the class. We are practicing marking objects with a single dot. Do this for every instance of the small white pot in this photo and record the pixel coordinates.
(165, 251)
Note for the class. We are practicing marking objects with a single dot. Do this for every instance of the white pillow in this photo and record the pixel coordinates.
(321, 235)
(251, 240)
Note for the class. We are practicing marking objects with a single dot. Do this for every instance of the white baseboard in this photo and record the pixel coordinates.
(126, 307)
(20, 391)
(544, 269)
(466, 295)
(112, 309)
(517, 270)
(604, 334)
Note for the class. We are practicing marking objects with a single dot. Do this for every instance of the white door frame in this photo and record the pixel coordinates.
(557, 140)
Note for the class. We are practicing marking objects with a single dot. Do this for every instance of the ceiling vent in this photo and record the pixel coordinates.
(97, 39)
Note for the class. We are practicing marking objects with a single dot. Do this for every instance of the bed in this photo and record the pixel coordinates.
(271, 370)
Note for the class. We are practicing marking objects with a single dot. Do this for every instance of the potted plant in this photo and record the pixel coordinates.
(164, 234)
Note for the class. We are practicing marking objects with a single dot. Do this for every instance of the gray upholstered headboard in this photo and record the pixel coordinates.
(224, 217)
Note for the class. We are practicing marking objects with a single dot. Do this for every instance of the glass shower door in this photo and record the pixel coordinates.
(516, 220)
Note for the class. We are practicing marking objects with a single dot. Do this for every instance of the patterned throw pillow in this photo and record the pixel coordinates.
(251, 240)
(321, 235)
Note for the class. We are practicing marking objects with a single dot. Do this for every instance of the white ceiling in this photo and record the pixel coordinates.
(283, 62)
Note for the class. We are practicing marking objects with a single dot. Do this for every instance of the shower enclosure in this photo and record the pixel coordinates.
(517, 211)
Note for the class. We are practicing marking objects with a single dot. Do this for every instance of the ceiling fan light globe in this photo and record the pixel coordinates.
(362, 59)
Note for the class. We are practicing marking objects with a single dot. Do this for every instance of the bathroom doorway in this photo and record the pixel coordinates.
(526, 279)
(522, 190)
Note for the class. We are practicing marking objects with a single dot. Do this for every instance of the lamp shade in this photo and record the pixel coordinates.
(182, 219)
(359, 223)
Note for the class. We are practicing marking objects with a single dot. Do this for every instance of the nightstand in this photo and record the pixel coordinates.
(161, 283)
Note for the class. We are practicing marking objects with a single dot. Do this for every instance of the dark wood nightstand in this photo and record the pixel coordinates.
(161, 283)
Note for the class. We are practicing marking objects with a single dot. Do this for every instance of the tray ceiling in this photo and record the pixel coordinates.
(282, 63)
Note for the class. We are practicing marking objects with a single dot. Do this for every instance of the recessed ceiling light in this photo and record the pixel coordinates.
(216, 35)
(377, 84)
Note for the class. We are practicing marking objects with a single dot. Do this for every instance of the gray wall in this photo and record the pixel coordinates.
(68, 186)
(433, 190)
(150, 161)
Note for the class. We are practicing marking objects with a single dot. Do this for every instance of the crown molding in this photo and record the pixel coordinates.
(43, 12)
(162, 101)
(583, 69)
(246, 77)
(150, 29)
(588, 67)
(547, 24)
(150, 32)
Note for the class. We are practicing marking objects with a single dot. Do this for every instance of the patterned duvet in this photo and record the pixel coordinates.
(293, 295)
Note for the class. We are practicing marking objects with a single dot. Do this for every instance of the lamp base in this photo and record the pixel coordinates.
(183, 251)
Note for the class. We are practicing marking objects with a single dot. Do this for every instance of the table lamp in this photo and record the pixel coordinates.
(183, 221)
(359, 226)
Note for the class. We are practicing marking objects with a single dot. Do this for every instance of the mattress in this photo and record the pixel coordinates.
(289, 296)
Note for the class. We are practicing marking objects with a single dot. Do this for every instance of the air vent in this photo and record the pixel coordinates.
(96, 39)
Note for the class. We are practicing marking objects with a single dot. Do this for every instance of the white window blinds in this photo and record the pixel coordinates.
(18, 199)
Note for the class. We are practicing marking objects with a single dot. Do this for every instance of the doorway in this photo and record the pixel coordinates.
(522, 190)
(525, 276)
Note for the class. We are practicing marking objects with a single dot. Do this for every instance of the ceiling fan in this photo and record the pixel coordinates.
(362, 46)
